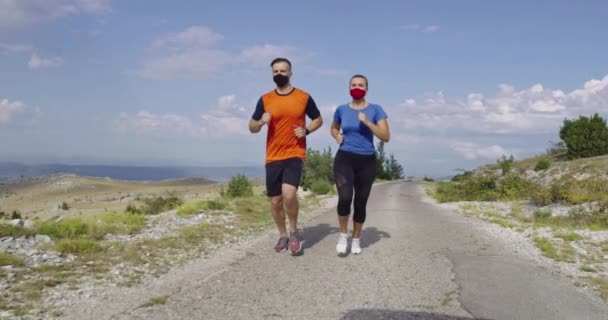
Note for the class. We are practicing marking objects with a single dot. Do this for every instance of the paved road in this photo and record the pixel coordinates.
(418, 262)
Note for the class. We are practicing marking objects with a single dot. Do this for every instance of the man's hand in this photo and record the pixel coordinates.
(265, 118)
(300, 132)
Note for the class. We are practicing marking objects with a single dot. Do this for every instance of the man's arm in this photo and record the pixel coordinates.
(259, 118)
(313, 113)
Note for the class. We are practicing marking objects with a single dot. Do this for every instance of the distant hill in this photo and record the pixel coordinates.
(12, 170)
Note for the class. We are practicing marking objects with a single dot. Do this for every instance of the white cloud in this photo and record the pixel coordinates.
(224, 120)
(529, 111)
(195, 53)
(14, 48)
(19, 12)
(421, 28)
(192, 37)
(227, 118)
(145, 122)
(8, 109)
(189, 64)
(474, 151)
(37, 62)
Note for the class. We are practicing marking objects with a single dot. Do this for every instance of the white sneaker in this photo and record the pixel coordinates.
(355, 246)
(342, 243)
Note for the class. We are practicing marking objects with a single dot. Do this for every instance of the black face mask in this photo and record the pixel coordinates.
(280, 80)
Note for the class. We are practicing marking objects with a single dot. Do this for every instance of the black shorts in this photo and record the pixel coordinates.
(287, 171)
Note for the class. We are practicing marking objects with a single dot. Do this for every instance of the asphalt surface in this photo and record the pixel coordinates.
(419, 261)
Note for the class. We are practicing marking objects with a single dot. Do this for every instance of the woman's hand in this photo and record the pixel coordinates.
(363, 118)
(339, 138)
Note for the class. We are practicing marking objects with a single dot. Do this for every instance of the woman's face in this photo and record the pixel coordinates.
(358, 83)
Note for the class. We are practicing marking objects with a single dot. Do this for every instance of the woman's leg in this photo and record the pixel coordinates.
(343, 174)
(363, 180)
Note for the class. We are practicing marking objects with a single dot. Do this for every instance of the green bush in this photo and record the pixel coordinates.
(16, 215)
(131, 209)
(317, 167)
(7, 230)
(321, 187)
(513, 187)
(160, 204)
(542, 164)
(542, 215)
(462, 176)
(506, 164)
(585, 137)
(68, 228)
(239, 186)
(216, 205)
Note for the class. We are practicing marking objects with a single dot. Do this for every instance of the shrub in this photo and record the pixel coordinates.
(321, 187)
(585, 137)
(542, 214)
(462, 176)
(15, 215)
(505, 164)
(131, 209)
(542, 164)
(239, 186)
(160, 204)
(514, 187)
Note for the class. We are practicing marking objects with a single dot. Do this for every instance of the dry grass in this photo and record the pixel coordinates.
(89, 195)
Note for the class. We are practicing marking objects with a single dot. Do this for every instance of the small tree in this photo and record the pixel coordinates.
(542, 164)
(239, 186)
(505, 163)
(395, 169)
(585, 137)
(381, 159)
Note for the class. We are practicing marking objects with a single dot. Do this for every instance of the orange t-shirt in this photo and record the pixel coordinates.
(287, 111)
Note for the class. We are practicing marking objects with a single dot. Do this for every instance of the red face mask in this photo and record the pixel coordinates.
(357, 93)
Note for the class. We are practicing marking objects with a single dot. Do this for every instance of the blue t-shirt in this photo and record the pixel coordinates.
(358, 138)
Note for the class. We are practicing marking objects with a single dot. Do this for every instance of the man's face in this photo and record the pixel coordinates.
(281, 68)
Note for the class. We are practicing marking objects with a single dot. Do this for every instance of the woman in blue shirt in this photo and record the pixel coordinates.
(354, 126)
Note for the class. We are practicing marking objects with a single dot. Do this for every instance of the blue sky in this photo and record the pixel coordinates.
(175, 82)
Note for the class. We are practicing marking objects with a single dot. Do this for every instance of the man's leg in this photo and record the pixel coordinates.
(291, 180)
(274, 172)
(292, 206)
(276, 207)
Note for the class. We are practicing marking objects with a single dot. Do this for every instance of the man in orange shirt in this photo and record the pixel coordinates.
(284, 110)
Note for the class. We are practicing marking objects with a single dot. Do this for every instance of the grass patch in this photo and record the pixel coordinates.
(517, 212)
(587, 269)
(600, 284)
(78, 246)
(564, 253)
(503, 223)
(155, 301)
(191, 208)
(569, 236)
(9, 260)
(7, 230)
(121, 223)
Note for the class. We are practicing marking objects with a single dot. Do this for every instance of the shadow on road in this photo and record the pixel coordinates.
(371, 235)
(315, 234)
(365, 314)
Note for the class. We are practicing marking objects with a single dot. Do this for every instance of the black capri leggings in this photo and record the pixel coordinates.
(354, 172)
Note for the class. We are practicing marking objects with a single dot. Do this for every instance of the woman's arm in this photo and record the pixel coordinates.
(335, 132)
(380, 130)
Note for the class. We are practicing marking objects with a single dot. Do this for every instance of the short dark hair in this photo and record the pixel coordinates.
(359, 76)
(277, 60)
